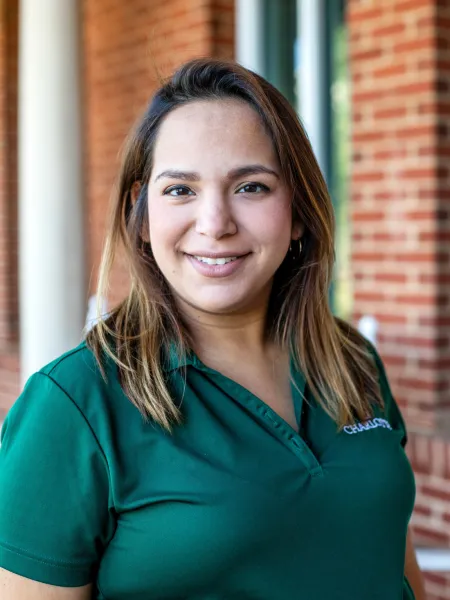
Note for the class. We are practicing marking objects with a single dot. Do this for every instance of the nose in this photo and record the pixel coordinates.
(214, 218)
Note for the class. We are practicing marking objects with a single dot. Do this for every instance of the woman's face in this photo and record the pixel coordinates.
(220, 216)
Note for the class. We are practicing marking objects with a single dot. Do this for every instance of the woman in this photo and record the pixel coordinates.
(220, 435)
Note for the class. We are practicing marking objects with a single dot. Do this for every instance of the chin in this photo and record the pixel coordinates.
(217, 306)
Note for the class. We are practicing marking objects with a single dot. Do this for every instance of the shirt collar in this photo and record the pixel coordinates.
(174, 359)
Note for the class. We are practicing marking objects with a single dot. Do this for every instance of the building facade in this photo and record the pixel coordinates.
(371, 81)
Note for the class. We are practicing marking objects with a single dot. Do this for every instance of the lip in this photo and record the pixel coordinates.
(216, 270)
(217, 254)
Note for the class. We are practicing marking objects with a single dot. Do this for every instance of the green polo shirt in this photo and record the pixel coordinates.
(234, 504)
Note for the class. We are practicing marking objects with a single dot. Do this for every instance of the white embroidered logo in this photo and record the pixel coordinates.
(370, 424)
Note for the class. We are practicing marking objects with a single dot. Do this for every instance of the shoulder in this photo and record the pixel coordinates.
(55, 474)
(72, 390)
(79, 362)
(385, 388)
(391, 410)
(78, 375)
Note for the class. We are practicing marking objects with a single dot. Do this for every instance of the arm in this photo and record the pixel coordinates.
(54, 499)
(15, 587)
(412, 570)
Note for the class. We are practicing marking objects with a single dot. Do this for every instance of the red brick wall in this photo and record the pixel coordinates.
(223, 29)
(128, 46)
(400, 66)
(395, 201)
(8, 203)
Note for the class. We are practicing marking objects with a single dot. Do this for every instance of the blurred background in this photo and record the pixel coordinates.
(371, 82)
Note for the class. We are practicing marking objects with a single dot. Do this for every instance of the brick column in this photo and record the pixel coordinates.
(400, 72)
(8, 173)
(399, 182)
(9, 376)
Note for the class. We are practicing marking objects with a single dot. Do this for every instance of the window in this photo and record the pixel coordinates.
(282, 67)
(339, 175)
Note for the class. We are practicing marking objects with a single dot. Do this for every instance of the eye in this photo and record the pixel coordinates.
(252, 188)
(178, 190)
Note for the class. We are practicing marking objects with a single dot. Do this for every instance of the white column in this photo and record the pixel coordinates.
(311, 31)
(250, 34)
(51, 249)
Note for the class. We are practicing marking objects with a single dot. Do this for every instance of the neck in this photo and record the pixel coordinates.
(218, 336)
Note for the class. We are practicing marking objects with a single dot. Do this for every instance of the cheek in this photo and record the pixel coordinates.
(166, 226)
(272, 223)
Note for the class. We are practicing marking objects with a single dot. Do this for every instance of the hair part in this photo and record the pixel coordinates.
(335, 359)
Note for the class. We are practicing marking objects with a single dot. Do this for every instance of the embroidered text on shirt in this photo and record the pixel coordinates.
(370, 424)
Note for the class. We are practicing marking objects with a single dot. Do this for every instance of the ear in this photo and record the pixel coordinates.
(298, 229)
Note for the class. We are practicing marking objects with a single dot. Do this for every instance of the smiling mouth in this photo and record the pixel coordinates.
(216, 265)
(216, 261)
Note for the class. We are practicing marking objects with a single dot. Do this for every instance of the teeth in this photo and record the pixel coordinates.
(216, 261)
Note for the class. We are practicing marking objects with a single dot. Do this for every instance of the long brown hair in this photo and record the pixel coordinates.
(335, 360)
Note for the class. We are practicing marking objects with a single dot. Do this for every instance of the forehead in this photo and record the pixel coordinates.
(227, 130)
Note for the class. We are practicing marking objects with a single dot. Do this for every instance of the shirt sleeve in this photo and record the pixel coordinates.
(54, 489)
(391, 409)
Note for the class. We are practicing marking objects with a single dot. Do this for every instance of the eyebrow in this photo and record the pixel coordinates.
(251, 170)
(183, 175)
(233, 174)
